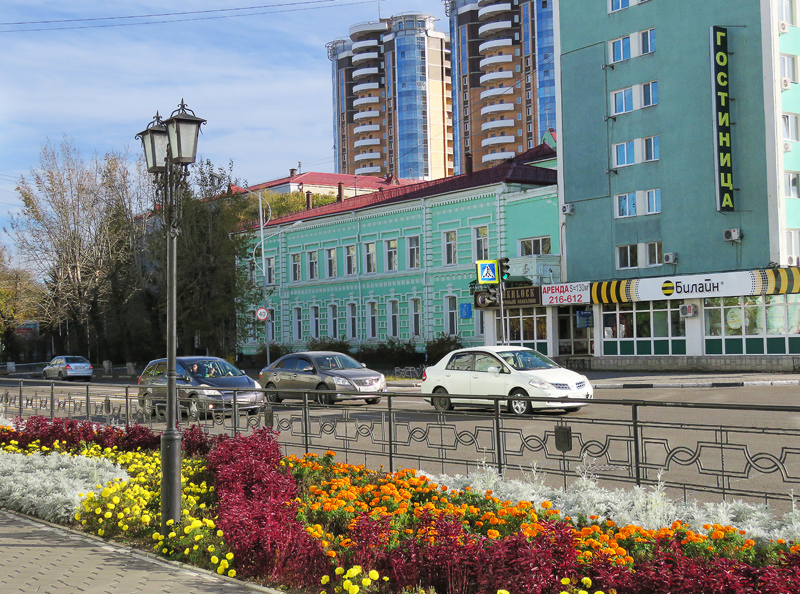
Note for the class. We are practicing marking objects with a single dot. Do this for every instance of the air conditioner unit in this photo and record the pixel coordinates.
(792, 260)
(688, 311)
(567, 209)
(732, 234)
(670, 258)
(786, 84)
(787, 147)
(783, 27)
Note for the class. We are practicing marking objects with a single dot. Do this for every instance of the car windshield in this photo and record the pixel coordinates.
(213, 368)
(75, 360)
(526, 360)
(335, 362)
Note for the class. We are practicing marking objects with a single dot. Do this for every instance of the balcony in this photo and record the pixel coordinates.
(484, 3)
(362, 115)
(493, 10)
(367, 170)
(495, 60)
(362, 29)
(370, 86)
(498, 156)
(365, 101)
(495, 140)
(366, 157)
(362, 72)
(497, 92)
(366, 128)
(365, 57)
(496, 124)
(359, 45)
(494, 27)
(366, 142)
(497, 107)
(486, 78)
(493, 44)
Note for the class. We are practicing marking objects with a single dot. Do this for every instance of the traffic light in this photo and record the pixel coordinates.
(503, 269)
(492, 291)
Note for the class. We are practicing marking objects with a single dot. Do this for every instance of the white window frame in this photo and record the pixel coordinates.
(391, 255)
(789, 67)
(393, 311)
(628, 147)
(414, 252)
(537, 246)
(370, 258)
(330, 262)
(793, 246)
(351, 260)
(313, 265)
(617, 5)
(372, 319)
(631, 252)
(647, 42)
(791, 129)
(416, 317)
(480, 322)
(653, 86)
(313, 323)
(296, 267)
(625, 205)
(653, 200)
(297, 325)
(652, 148)
(623, 43)
(791, 181)
(352, 320)
(481, 242)
(786, 11)
(626, 98)
(333, 320)
(451, 314)
(450, 248)
(654, 254)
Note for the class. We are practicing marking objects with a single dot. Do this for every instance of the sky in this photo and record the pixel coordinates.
(96, 73)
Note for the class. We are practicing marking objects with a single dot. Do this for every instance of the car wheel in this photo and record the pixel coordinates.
(571, 409)
(519, 407)
(44, 375)
(61, 376)
(323, 396)
(372, 400)
(272, 397)
(441, 403)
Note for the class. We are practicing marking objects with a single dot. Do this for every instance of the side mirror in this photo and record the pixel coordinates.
(494, 369)
(363, 364)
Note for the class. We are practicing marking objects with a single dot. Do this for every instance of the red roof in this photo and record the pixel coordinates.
(314, 178)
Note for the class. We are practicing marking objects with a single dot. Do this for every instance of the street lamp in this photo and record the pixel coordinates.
(170, 146)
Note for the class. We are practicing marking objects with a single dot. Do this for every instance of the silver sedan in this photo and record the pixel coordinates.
(68, 368)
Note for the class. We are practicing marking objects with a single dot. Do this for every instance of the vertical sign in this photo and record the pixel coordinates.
(722, 119)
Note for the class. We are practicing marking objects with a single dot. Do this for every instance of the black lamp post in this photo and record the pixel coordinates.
(170, 146)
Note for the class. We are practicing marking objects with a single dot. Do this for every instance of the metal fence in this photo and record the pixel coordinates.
(695, 450)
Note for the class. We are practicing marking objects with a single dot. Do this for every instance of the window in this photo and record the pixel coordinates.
(627, 256)
(413, 252)
(624, 154)
(313, 265)
(330, 262)
(333, 321)
(394, 319)
(391, 255)
(297, 326)
(621, 49)
(370, 264)
(653, 201)
(791, 184)
(790, 126)
(623, 100)
(651, 327)
(786, 11)
(480, 322)
(416, 317)
(481, 243)
(352, 321)
(295, 267)
(793, 246)
(269, 328)
(450, 247)
(650, 94)
(535, 246)
(651, 152)
(372, 319)
(270, 267)
(451, 313)
(350, 260)
(619, 4)
(314, 325)
(789, 67)
(654, 255)
(648, 41)
(626, 205)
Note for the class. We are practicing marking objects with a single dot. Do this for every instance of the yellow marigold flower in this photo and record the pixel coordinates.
(373, 575)
(171, 535)
(186, 551)
(211, 548)
(587, 582)
(565, 581)
(366, 582)
(220, 570)
(339, 570)
(232, 573)
(354, 589)
(229, 556)
(219, 533)
(346, 584)
(324, 580)
(502, 592)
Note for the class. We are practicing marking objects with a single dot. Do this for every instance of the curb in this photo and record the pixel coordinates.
(134, 552)
(731, 384)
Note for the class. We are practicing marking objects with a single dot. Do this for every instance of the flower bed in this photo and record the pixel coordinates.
(321, 525)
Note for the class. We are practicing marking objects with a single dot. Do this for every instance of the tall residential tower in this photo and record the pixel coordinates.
(392, 99)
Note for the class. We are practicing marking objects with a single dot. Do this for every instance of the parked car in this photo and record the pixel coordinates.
(329, 375)
(512, 371)
(205, 384)
(68, 367)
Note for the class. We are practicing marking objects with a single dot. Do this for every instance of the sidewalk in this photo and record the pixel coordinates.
(51, 559)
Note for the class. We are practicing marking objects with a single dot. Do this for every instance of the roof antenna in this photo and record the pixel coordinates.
(299, 167)
(379, 9)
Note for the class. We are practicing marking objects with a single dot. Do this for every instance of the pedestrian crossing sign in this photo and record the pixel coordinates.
(487, 272)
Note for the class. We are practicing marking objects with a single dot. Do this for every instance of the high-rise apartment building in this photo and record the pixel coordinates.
(503, 78)
(392, 99)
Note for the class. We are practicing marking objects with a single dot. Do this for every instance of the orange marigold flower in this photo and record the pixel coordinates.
(493, 534)
(718, 535)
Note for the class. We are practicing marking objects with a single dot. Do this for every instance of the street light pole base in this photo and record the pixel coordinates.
(171, 478)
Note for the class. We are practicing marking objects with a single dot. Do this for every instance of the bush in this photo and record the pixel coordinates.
(438, 347)
(338, 345)
(389, 354)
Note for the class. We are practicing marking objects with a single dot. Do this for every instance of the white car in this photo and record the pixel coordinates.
(516, 372)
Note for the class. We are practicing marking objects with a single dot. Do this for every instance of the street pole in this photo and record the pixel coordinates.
(503, 329)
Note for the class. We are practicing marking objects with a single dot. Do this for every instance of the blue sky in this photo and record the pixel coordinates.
(261, 79)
